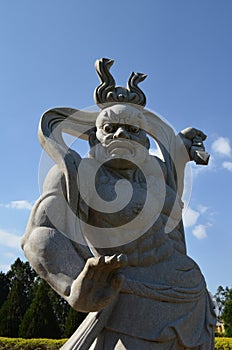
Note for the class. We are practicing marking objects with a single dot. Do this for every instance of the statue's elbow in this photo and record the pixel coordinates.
(34, 250)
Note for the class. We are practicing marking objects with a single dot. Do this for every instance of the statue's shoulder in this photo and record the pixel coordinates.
(155, 162)
(55, 180)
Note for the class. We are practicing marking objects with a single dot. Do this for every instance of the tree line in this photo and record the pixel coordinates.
(223, 301)
(29, 308)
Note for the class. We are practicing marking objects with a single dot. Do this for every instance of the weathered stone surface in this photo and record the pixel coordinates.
(107, 231)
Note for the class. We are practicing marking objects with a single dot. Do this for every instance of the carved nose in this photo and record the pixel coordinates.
(121, 133)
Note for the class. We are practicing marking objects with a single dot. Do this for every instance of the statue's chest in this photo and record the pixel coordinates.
(120, 187)
(117, 200)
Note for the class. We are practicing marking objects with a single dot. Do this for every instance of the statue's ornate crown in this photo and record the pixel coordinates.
(107, 93)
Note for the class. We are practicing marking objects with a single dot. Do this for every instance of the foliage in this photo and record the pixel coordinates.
(20, 282)
(220, 299)
(223, 343)
(51, 344)
(227, 314)
(39, 319)
(12, 311)
(30, 344)
(219, 334)
(19, 292)
(23, 272)
(4, 287)
(60, 308)
(74, 319)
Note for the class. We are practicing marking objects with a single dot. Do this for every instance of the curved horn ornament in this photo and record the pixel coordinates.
(107, 81)
(132, 86)
(107, 92)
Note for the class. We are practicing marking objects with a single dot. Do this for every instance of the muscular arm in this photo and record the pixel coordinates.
(86, 285)
(45, 245)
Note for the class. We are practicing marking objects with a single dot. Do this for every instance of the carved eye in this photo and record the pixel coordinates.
(108, 128)
(134, 129)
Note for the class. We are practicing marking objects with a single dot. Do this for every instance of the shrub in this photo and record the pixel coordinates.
(52, 344)
(223, 343)
(30, 344)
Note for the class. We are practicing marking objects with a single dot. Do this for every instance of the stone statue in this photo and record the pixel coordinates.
(107, 231)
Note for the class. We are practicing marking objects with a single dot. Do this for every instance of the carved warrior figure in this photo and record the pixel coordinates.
(107, 231)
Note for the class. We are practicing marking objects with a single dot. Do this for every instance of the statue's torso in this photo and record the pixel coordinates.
(155, 256)
(160, 277)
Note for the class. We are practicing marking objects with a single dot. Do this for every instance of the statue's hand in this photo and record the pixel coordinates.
(98, 283)
(193, 140)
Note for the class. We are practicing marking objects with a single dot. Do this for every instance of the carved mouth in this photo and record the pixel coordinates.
(119, 148)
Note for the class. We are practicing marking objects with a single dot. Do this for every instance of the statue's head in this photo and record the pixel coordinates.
(120, 126)
(120, 134)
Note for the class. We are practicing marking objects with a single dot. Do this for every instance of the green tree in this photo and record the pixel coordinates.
(39, 320)
(23, 272)
(21, 283)
(60, 308)
(4, 287)
(227, 314)
(73, 321)
(220, 299)
(12, 310)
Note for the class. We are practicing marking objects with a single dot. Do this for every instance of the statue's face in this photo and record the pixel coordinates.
(121, 135)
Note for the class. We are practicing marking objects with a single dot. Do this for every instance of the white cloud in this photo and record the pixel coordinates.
(199, 231)
(9, 239)
(227, 165)
(190, 217)
(222, 146)
(202, 208)
(22, 204)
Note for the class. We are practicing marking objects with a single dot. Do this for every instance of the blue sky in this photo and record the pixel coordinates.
(48, 50)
